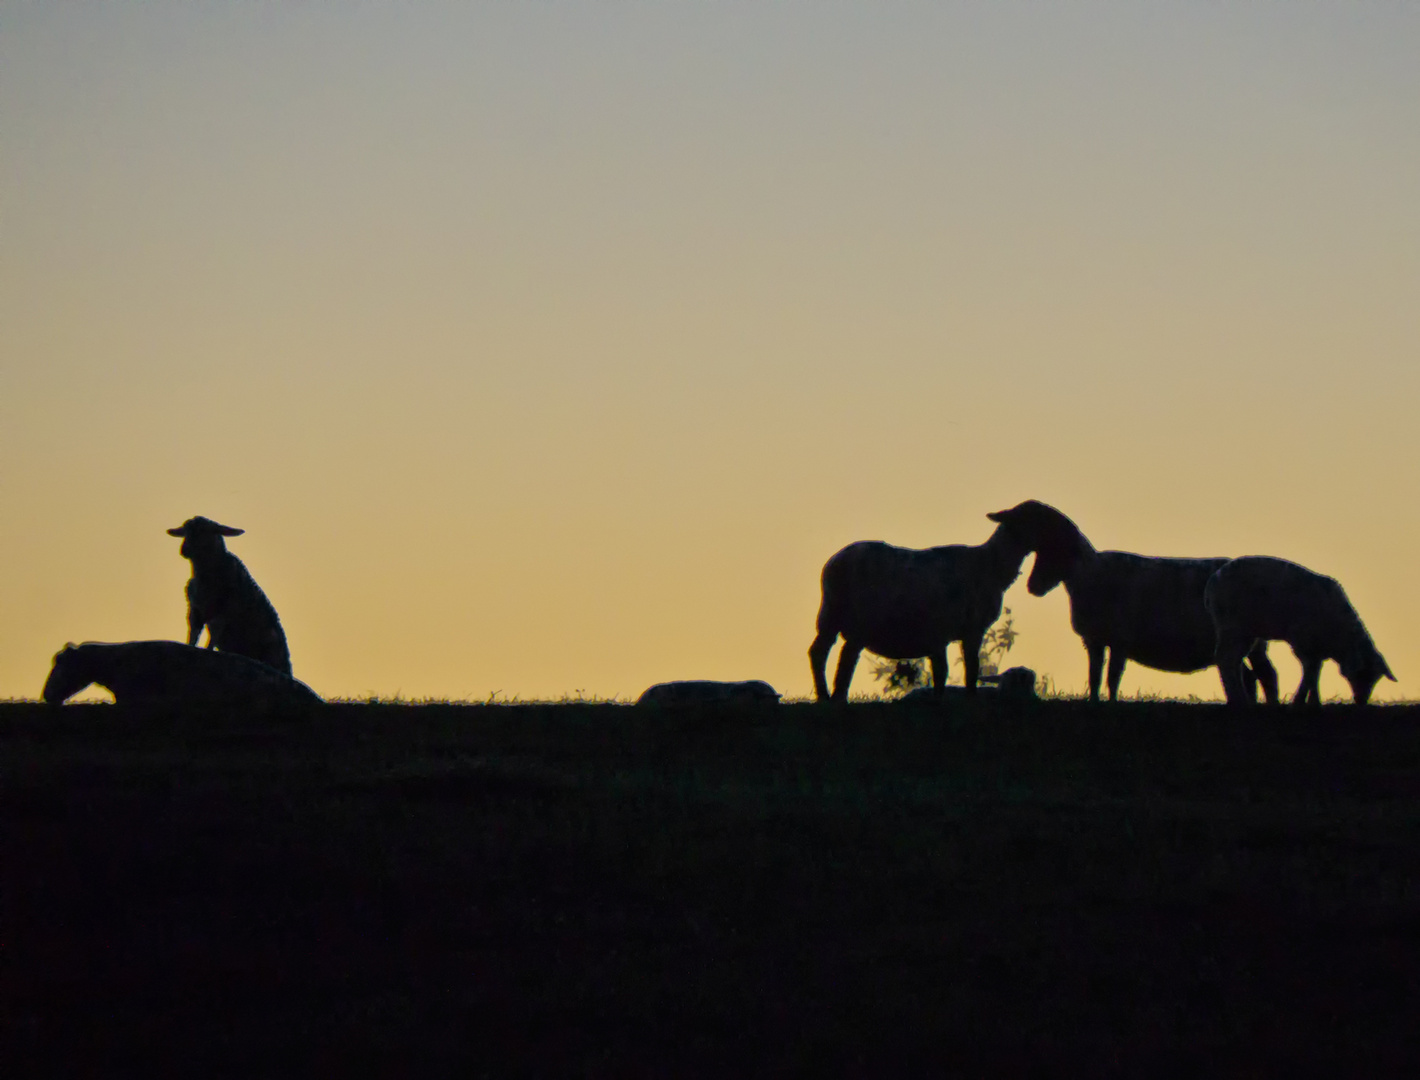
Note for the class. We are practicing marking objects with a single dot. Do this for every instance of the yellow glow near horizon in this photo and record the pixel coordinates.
(555, 349)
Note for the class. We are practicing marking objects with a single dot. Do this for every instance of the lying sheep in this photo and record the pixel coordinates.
(1017, 683)
(1146, 609)
(707, 692)
(904, 604)
(223, 597)
(1258, 599)
(167, 673)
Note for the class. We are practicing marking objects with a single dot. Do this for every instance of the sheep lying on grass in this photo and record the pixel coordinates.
(223, 596)
(1017, 683)
(167, 673)
(1146, 609)
(1258, 599)
(707, 692)
(904, 604)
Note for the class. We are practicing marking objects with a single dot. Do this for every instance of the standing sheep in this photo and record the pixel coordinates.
(904, 604)
(1146, 609)
(223, 597)
(1258, 599)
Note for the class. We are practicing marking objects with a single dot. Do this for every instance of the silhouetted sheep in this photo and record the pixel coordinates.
(1257, 598)
(223, 597)
(1017, 683)
(903, 604)
(1146, 609)
(168, 673)
(708, 692)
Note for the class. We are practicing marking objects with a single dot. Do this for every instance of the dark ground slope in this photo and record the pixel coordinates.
(600, 890)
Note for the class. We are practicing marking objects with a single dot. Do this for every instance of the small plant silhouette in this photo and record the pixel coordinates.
(901, 676)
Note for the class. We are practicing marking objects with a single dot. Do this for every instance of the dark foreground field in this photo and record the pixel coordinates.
(598, 890)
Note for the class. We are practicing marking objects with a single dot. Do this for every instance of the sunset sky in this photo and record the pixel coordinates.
(551, 347)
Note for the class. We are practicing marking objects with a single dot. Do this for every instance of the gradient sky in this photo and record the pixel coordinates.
(552, 347)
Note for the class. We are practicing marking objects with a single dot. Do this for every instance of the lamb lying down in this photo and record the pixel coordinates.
(1016, 682)
(167, 673)
(708, 692)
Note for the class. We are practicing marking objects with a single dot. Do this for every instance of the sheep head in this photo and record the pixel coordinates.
(1056, 540)
(202, 535)
(65, 677)
(1363, 666)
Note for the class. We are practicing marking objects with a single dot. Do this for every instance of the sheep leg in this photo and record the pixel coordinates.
(196, 615)
(1309, 689)
(1249, 682)
(971, 658)
(1096, 652)
(1229, 657)
(1117, 660)
(818, 661)
(847, 662)
(1263, 672)
(938, 660)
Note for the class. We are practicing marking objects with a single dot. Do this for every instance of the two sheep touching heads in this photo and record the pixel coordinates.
(1167, 613)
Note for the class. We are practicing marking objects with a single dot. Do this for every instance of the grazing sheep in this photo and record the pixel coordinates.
(903, 604)
(149, 673)
(222, 596)
(1146, 609)
(1259, 599)
(707, 692)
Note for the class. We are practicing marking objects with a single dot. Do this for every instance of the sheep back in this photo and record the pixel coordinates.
(709, 692)
(239, 616)
(1258, 596)
(904, 603)
(169, 673)
(1149, 608)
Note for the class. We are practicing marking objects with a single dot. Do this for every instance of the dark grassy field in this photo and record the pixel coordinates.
(602, 890)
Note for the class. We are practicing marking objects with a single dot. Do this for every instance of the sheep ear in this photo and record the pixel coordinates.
(179, 531)
(998, 515)
(227, 530)
(1386, 668)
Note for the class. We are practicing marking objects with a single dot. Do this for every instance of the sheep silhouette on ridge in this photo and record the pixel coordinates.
(223, 597)
(1143, 608)
(1257, 598)
(170, 674)
(903, 604)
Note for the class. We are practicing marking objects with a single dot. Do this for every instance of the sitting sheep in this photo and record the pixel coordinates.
(708, 692)
(149, 673)
(223, 597)
(1257, 598)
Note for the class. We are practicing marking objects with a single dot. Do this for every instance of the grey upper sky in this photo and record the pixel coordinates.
(547, 322)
